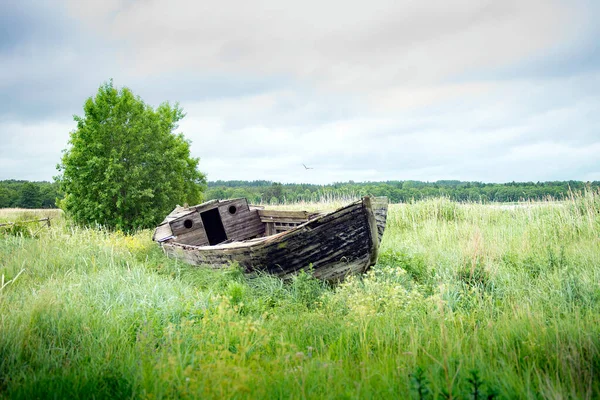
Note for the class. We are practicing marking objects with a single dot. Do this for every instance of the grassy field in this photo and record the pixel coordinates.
(466, 301)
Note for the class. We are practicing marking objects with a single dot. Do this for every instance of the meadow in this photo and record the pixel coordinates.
(467, 300)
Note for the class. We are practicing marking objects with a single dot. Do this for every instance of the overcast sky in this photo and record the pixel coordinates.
(493, 91)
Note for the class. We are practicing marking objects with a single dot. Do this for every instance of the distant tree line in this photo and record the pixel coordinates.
(396, 191)
(24, 194)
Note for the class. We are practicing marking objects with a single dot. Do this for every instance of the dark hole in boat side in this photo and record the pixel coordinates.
(188, 223)
(232, 209)
(213, 226)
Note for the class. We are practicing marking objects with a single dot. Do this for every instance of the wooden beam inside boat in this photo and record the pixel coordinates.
(284, 214)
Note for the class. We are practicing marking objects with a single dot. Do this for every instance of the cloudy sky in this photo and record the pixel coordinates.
(486, 90)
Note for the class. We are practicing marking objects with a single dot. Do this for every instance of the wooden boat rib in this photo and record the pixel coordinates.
(335, 244)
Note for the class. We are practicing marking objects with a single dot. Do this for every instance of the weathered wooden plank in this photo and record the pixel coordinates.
(218, 203)
(207, 205)
(241, 224)
(176, 213)
(372, 225)
(163, 232)
(380, 207)
(197, 238)
(284, 214)
(283, 220)
(190, 221)
(249, 227)
(189, 229)
(283, 228)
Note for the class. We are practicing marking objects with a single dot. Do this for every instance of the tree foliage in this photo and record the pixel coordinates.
(126, 168)
(24, 194)
(30, 196)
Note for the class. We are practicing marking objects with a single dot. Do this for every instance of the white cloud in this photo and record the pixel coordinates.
(396, 49)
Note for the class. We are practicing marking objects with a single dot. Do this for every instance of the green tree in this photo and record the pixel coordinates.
(8, 196)
(29, 196)
(49, 194)
(125, 167)
(274, 193)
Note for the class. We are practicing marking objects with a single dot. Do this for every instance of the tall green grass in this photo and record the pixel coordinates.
(466, 301)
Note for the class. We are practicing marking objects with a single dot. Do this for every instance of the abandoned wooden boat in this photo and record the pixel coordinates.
(282, 243)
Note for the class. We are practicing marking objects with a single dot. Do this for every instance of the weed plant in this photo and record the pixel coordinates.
(467, 301)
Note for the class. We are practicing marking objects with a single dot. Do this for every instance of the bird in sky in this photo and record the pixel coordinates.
(305, 167)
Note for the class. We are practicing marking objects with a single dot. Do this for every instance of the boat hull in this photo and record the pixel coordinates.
(332, 246)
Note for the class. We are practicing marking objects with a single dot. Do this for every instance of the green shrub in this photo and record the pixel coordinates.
(306, 289)
(16, 229)
(414, 265)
